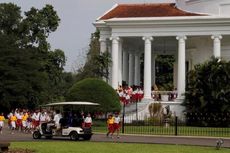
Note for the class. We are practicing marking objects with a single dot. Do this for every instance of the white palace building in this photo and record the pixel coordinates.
(191, 30)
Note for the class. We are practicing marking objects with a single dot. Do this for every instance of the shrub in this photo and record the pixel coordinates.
(95, 90)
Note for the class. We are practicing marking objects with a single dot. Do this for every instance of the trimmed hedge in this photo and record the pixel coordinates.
(95, 90)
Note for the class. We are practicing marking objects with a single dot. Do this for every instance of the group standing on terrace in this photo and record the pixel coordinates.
(131, 94)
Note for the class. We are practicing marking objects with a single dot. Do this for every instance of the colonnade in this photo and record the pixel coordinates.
(126, 65)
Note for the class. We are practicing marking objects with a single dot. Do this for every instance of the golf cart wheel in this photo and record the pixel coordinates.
(73, 136)
(87, 137)
(36, 135)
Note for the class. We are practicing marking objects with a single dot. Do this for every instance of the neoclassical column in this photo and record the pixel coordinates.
(131, 69)
(109, 80)
(181, 66)
(216, 45)
(137, 70)
(102, 45)
(147, 67)
(115, 52)
(120, 63)
(125, 66)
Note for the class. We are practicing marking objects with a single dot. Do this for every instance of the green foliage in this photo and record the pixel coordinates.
(97, 63)
(31, 73)
(21, 79)
(208, 91)
(95, 90)
(164, 72)
(38, 24)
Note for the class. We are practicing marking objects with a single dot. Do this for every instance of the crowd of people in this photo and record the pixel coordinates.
(131, 94)
(128, 94)
(27, 121)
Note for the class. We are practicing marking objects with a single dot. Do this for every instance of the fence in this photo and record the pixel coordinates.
(193, 124)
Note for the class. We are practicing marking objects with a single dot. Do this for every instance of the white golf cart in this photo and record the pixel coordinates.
(48, 129)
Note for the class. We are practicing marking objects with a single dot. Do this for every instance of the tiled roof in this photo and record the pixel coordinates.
(146, 10)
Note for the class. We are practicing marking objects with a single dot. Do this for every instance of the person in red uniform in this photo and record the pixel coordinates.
(110, 122)
(116, 124)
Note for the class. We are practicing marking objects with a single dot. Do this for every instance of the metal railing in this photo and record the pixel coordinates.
(173, 126)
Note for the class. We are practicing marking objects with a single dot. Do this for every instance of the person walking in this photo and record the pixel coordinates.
(13, 120)
(2, 119)
(110, 122)
(116, 124)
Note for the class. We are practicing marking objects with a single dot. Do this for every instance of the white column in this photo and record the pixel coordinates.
(217, 45)
(102, 45)
(137, 70)
(110, 66)
(115, 49)
(131, 69)
(120, 63)
(147, 67)
(125, 66)
(181, 66)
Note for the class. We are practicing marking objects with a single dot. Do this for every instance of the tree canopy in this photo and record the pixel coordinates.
(208, 92)
(95, 90)
(31, 73)
(97, 64)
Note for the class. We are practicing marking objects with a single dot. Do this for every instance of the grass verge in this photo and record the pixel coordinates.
(103, 147)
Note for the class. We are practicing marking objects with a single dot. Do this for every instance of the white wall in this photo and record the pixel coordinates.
(202, 49)
(213, 7)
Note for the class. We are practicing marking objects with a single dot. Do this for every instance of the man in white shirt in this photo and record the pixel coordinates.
(43, 117)
(57, 118)
(88, 121)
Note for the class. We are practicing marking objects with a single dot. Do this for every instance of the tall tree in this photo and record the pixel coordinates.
(30, 71)
(97, 63)
(208, 93)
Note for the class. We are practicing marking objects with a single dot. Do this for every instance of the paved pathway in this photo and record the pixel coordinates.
(19, 136)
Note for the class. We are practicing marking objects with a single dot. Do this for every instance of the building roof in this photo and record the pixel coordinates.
(146, 10)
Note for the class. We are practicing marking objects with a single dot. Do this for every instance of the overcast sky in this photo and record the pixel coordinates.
(77, 16)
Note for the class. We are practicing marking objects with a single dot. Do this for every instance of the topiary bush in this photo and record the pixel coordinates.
(95, 90)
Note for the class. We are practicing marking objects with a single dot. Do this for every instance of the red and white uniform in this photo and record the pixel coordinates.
(116, 124)
(36, 119)
(19, 119)
(88, 121)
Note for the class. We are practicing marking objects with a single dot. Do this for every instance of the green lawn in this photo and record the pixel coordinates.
(100, 147)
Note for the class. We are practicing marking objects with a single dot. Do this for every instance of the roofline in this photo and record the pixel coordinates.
(136, 4)
(113, 7)
(166, 18)
(161, 21)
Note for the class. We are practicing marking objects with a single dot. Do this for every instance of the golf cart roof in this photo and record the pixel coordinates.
(81, 103)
